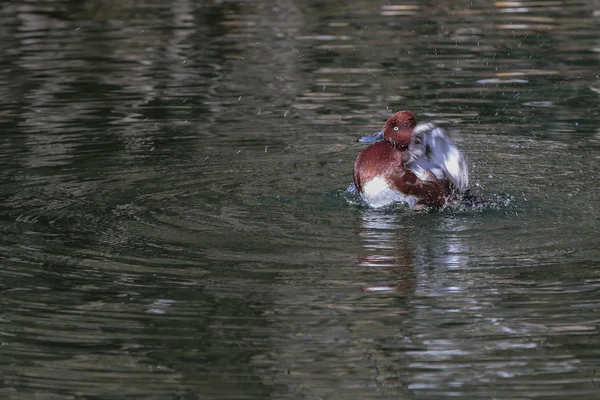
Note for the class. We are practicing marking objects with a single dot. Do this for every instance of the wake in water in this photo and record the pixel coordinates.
(468, 201)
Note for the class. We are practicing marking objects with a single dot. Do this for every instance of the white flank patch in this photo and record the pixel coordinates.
(378, 193)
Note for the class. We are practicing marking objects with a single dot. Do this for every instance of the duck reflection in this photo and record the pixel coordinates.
(395, 242)
(386, 336)
(386, 249)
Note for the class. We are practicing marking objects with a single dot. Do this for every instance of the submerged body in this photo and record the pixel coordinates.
(416, 164)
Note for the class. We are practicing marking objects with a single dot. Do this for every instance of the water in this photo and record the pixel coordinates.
(174, 221)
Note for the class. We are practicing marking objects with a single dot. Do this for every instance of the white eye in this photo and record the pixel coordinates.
(395, 128)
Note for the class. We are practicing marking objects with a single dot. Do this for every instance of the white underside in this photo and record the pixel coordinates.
(378, 193)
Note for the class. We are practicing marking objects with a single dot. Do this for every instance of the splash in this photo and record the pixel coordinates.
(469, 201)
(472, 201)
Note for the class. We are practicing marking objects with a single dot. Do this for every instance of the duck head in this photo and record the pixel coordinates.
(397, 130)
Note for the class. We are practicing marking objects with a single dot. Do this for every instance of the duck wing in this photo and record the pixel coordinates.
(432, 149)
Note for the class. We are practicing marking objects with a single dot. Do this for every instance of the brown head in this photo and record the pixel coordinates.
(397, 130)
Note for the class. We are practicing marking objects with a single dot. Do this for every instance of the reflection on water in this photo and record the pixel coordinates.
(172, 218)
(387, 248)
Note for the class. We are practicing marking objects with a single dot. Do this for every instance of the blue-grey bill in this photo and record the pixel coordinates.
(375, 137)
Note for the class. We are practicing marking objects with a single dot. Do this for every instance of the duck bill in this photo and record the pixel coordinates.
(375, 137)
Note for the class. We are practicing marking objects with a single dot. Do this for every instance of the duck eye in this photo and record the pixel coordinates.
(395, 128)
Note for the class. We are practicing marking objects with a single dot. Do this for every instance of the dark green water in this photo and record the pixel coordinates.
(173, 218)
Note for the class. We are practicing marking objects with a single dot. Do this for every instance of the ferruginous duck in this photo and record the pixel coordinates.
(415, 164)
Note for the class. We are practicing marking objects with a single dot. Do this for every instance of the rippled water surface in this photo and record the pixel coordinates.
(174, 218)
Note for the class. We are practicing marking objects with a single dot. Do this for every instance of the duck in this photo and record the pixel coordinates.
(406, 162)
